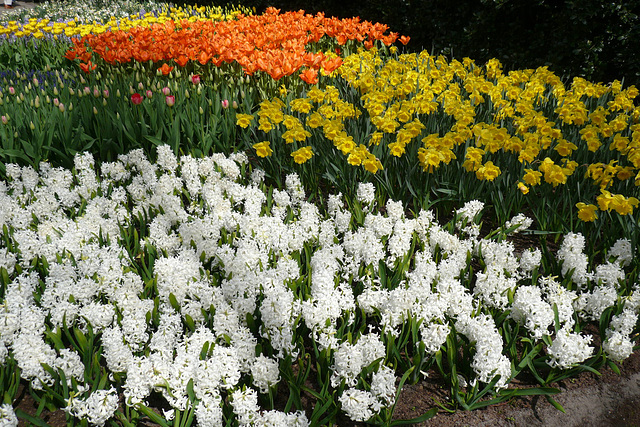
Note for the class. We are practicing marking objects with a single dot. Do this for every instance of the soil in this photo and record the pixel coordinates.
(588, 401)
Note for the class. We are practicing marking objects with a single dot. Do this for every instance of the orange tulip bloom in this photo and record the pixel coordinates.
(166, 69)
(329, 65)
(310, 75)
(404, 40)
(88, 67)
(182, 60)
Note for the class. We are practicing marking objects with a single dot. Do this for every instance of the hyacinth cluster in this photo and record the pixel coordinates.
(191, 278)
(522, 130)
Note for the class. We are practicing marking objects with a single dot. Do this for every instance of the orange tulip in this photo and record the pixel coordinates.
(182, 60)
(166, 69)
(272, 42)
(88, 67)
(310, 76)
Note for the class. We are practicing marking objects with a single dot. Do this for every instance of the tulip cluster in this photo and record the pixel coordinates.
(275, 43)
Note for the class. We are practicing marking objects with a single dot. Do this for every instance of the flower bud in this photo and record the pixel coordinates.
(12, 90)
(95, 110)
(166, 91)
(96, 92)
(37, 102)
(70, 106)
(61, 107)
(149, 93)
(170, 100)
(225, 103)
(201, 110)
(5, 120)
(87, 90)
(32, 126)
(56, 102)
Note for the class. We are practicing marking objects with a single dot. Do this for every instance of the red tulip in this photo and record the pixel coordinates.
(136, 98)
(195, 79)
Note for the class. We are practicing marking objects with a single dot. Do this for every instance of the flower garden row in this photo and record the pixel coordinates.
(228, 219)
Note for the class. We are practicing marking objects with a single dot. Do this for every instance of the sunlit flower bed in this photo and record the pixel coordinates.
(285, 222)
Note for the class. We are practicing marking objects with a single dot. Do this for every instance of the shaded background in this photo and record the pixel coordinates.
(595, 39)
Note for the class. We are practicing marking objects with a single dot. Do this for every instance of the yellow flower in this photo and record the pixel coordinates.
(604, 200)
(532, 177)
(243, 120)
(587, 213)
(523, 188)
(263, 149)
(375, 138)
(354, 159)
(473, 159)
(623, 205)
(302, 155)
(430, 159)
(315, 120)
(301, 105)
(565, 148)
(488, 172)
(372, 164)
(396, 149)
(555, 175)
(265, 124)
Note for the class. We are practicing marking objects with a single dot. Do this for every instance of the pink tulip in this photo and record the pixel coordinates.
(5, 120)
(87, 90)
(225, 103)
(56, 102)
(105, 93)
(96, 92)
(166, 91)
(195, 79)
(149, 94)
(171, 100)
(12, 91)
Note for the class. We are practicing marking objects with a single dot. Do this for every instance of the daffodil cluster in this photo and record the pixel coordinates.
(478, 120)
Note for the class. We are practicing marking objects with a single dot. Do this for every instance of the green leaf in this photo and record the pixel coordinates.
(152, 415)
(555, 404)
(174, 302)
(422, 418)
(33, 420)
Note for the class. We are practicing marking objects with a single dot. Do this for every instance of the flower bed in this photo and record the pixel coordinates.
(190, 241)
